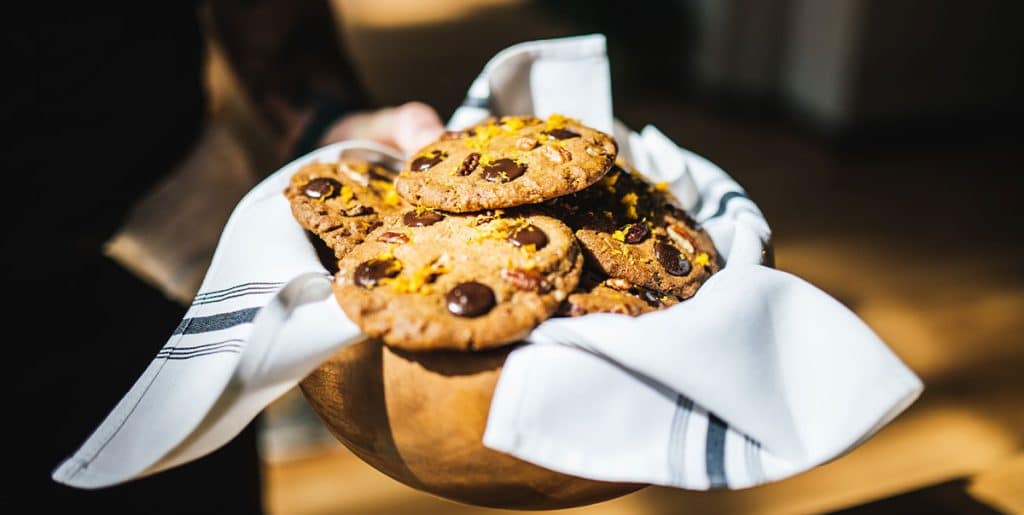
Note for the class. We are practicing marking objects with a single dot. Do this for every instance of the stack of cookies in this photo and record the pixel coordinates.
(489, 231)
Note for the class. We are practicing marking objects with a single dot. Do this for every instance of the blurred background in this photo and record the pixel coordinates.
(879, 137)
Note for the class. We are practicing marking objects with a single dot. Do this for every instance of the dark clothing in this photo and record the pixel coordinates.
(117, 94)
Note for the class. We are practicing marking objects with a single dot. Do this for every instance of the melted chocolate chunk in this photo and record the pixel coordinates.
(637, 233)
(529, 235)
(651, 297)
(414, 219)
(503, 170)
(671, 259)
(424, 163)
(561, 134)
(369, 273)
(468, 165)
(470, 299)
(357, 210)
(322, 188)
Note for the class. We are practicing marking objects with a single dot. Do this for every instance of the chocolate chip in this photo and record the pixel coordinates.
(470, 299)
(424, 163)
(468, 164)
(671, 260)
(417, 219)
(637, 233)
(529, 235)
(503, 170)
(357, 210)
(369, 273)
(561, 134)
(393, 237)
(651, 297)
(322, 188)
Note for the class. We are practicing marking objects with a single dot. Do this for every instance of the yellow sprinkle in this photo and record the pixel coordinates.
(498, 228)
(483, 136)
(661, 186)
(529, 249)
(619, 235)
(418, 282)
(629, 200)
(391, 198)
(555, 121)
(702, 259)
(609, 181)
(512, 123)
(386, 255)
(381, 185)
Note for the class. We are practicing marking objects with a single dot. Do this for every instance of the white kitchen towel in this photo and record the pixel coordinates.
(757, 377)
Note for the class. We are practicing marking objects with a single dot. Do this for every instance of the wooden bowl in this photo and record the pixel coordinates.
(420, 417)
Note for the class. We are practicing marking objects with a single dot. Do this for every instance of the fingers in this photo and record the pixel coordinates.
(408, 127)
(415, 125)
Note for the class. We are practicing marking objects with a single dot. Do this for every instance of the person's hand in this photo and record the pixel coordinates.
(408, 127)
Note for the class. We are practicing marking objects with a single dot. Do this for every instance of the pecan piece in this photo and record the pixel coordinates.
(527, 280)
(526, 143)
(618, 284)
(450, 135)
(682, 238)
(468, 165)
(557, 155)
(393, 237)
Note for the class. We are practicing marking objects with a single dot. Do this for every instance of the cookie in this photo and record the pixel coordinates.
(614, 296)
(511, 162)
(342, 202)
(631, 229)
(428, 280)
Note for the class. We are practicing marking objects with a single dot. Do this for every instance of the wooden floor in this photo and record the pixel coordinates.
(925, 245)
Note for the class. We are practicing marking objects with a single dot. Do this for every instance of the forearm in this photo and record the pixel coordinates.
(289, 59)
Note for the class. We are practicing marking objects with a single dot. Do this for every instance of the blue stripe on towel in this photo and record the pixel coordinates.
(723, 203)
(715, 456)
(216, 322)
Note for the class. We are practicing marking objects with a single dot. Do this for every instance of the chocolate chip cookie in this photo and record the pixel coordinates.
(342, 202)
(613, 296)
(631, 229)
(504, 163)
(429, 280)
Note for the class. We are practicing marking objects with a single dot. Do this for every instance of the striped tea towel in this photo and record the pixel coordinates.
(757, 377)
